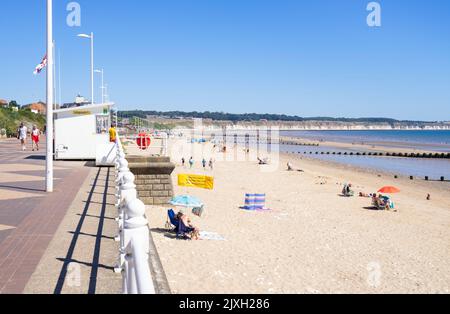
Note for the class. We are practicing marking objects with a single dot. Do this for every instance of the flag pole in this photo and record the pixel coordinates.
(54, 76)
(59, 77)
(49, 159)
(92, 68)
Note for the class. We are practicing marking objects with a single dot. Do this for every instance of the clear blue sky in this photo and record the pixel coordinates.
(309, 58)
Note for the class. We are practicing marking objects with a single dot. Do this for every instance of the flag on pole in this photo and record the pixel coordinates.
(41, 66)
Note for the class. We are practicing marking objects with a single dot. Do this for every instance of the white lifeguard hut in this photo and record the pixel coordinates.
(82, 133)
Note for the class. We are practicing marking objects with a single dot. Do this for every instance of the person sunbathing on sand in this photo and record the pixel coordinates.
(380, 202)
(291, 168)
(362, 194)
(264, 161)
(347, 190)
(190, 229)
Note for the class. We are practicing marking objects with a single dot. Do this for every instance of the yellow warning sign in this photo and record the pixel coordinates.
(196, 181)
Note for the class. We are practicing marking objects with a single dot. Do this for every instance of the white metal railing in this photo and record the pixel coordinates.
(134, 233)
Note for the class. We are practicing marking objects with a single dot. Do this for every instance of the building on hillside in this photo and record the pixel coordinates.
(3, 103)
(79, 102)
(38, 107)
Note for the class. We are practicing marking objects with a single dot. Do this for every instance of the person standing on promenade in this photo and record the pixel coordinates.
(183, 162)
(22, 134)
(112, 134)
(191, 162)
(211, 164)
(35, 136)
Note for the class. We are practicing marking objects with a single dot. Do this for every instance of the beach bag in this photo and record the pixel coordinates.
(198, 211)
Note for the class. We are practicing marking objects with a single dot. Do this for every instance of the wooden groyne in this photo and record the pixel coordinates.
(248, 139)
(299, 143)
(379, 154)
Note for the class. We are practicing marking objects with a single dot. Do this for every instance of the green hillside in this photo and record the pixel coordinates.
(10, 120)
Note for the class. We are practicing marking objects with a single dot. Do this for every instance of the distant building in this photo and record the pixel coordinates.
(38, 108)
(79, 101)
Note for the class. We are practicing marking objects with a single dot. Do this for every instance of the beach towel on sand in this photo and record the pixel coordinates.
(211, 236)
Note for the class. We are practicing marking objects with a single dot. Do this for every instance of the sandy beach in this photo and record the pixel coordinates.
(313, 240)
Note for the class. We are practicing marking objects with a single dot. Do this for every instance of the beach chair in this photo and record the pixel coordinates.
(172, 224)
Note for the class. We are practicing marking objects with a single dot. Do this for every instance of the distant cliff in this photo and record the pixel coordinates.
(284, 122)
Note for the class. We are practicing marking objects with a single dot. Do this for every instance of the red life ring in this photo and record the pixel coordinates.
(143, 141)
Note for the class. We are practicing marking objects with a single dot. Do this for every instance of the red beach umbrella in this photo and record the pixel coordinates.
(389, 190)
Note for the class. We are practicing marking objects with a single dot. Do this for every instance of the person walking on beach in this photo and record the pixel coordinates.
(211, 164)
(183, 162)
(191, 162)
(204, 163)
(35, 137)
(23, 133)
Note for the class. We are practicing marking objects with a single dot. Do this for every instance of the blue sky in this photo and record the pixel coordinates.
(308, 58)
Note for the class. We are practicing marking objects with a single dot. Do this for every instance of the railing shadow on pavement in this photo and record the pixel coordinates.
(77, 233)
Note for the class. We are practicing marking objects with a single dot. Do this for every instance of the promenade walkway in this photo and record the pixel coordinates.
(60, 242)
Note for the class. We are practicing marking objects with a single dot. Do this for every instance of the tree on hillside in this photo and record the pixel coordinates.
(13, 103)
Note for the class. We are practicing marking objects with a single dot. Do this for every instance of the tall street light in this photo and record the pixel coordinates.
(91, 37)
(49, 158)
(106, 93)
(103, 84)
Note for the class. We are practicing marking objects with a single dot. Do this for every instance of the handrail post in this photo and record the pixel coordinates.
(134, 233)
(137, 243)
(131, 283)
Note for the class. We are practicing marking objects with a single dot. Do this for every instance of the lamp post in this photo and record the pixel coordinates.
(103, 85)
(49, 158)
(91, 37)
(106, 93)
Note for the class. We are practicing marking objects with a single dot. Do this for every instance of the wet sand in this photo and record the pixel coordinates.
(387, 147)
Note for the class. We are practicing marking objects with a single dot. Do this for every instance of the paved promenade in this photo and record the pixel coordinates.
(60, 242)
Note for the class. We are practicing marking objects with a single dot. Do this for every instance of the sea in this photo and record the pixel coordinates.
(429, 140)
